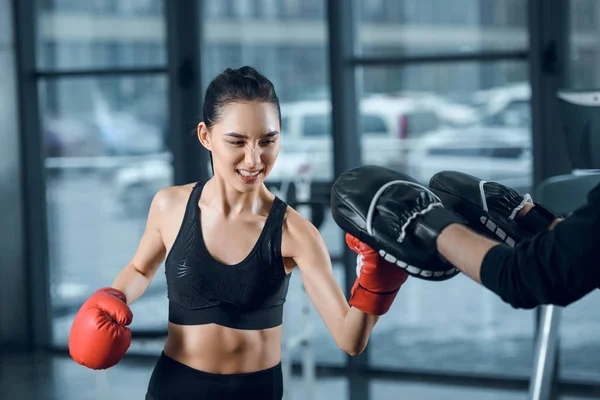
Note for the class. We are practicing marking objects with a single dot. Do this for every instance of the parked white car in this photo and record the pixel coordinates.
(497, 147)
(493, 154)
(388, 125)
(506, 106)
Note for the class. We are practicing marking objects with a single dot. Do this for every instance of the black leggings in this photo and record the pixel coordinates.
(172, 380)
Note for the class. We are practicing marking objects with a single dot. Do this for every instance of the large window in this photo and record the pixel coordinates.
(105, 149)
(472, 117)
(287, 42)
(104, 163)
(476, 124)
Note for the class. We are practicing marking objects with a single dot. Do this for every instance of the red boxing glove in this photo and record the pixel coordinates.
(99, 335)
(378, 280)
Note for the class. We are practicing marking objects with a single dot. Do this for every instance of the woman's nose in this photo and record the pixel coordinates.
(252, 156)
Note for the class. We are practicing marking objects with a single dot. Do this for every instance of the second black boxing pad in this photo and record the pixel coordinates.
(396, 216)
(490, 208)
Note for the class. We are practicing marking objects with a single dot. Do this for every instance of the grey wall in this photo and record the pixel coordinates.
(14, 314)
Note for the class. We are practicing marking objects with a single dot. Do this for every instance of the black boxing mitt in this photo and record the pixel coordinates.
(490, 208)
(396, 216)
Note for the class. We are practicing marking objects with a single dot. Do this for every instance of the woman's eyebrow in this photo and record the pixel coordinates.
(241, 136)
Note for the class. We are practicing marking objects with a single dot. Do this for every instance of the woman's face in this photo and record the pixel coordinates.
(244, 143)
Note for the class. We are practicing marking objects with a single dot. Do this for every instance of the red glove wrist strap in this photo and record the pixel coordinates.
(115, 292)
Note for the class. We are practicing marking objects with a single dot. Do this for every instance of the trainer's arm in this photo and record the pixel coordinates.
(557, 267)
(349, 327)
(134, 279)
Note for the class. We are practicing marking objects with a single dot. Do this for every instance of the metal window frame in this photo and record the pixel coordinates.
(549, 42)
(484, 56)
(184, 55)
(343, 80)
(100, 72)
(34, 196)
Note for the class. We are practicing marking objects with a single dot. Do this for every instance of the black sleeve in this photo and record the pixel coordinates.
(555, 267)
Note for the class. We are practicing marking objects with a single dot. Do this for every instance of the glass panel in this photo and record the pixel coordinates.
(474, 118)
(411, 27)
(585, 48)
(100, 34)
(105, 158)
(579, 346)
(287, 42)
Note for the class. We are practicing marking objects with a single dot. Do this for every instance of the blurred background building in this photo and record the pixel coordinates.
(98, 106)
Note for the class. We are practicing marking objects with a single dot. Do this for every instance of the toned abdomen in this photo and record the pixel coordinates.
(220, 350)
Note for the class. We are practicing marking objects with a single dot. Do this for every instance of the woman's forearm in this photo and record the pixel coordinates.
(132, 283)
(355, 331)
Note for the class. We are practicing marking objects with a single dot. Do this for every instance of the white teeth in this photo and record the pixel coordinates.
(246, 173)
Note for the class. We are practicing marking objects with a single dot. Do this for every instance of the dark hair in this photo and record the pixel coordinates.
(236, 85)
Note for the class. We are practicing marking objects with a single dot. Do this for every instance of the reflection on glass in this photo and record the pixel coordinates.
(286, 41)
(472, 118)
(410, 27)
(105, 160)
(579, 347)
(100, 34)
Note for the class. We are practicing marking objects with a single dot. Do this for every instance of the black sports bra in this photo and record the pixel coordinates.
(247, 295)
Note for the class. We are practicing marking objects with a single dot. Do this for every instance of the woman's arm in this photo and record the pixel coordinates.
(134, 279)
(349, 326)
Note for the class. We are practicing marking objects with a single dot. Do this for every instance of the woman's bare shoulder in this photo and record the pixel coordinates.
(298, 226)
(172, 197)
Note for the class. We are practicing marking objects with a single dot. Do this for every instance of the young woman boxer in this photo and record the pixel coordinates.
(230, 246)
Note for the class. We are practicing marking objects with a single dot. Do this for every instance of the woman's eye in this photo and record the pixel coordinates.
(239, 143)
(268, 142)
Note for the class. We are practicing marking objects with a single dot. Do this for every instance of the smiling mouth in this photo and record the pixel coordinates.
(249, 174)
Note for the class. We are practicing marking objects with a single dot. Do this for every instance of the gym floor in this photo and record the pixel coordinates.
(55, 376)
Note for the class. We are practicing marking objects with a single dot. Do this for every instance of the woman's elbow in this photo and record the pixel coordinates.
(353, 349)
(353, 352)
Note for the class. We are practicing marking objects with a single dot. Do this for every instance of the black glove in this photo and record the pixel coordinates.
(396, 216)
(489, 207)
